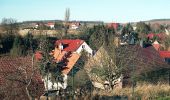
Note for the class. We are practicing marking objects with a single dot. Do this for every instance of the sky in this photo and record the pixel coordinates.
(86, 10)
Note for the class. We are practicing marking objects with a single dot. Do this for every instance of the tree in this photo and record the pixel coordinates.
(127, 29)
(99, 35)
(166, 43)
(141, 27)
(17, 49)
(10, 25)
(6, 43)
(20, 80)
(67, 17)
(67, 14)
(157, 28)
(58, 25)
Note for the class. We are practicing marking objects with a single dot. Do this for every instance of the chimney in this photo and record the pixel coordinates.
(60, 46)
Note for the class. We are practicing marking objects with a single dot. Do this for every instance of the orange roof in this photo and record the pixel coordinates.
(58, 54)
(69, 58)
(71, 62)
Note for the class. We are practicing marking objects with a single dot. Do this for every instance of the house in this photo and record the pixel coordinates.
(75, 25)
(14, 72)
(71, 50)
(156, 45)
(35, 25)
(113, 25)
(164, 54)
(51, 25)
(159, 36)
(68, 52)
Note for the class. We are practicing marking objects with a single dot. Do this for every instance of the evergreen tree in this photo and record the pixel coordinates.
(100, 35)
(17, 47)
(141, 27)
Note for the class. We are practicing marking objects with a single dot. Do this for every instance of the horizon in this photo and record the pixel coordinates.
(126, 11)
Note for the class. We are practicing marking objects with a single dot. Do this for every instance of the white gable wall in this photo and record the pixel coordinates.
(86, 48)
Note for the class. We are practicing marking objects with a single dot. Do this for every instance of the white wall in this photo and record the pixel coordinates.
(87, 49)
(56, 85)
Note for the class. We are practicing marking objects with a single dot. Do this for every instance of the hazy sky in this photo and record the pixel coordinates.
(101, 10)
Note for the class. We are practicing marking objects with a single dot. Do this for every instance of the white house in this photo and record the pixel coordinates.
(70, 51)
(74, 25)
(51, 25)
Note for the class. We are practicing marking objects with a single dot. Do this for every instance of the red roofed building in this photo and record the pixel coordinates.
(156, 45)
(51, 25)
(70, 50)
(74, 25)
(159, 35)
(164, 54)
(113, 25)
(66, 53)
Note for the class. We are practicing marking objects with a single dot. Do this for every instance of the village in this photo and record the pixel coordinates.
(113, 56)
(84, 50)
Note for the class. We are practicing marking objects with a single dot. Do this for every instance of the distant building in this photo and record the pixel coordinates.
(164, 54)
(75, 25)
(51, 25)
(113, 25)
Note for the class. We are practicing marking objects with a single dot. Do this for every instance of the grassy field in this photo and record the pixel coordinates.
(145, 92)
(141, 92)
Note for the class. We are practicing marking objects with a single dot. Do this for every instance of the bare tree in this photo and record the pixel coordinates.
(21, 81)
(10, 25)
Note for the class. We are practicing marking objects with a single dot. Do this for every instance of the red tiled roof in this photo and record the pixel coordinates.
(151, 35)
(113, 25)
(72, 45)
(164, 54)
(50, 23)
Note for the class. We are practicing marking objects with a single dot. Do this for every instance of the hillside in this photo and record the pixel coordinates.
(160, 21)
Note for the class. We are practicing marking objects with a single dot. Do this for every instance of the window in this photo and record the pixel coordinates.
(83, 46)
